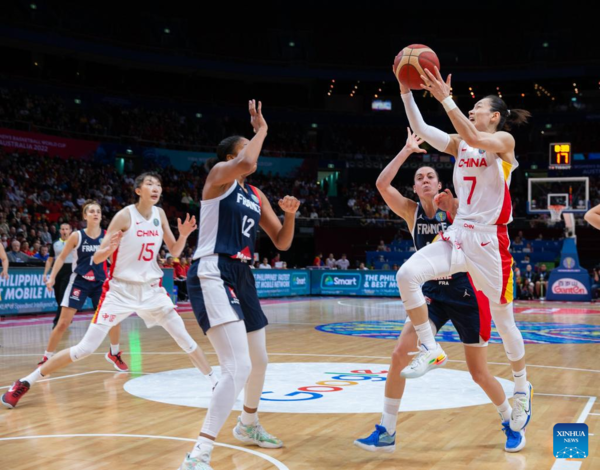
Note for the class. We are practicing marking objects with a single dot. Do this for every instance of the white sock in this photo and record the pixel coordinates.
(33, 377)
(390, 414)
(249, 418)
(212, 377)
(521, 381)
(114, 349)
(48, 354)
(505, 410)
(425, 334)
(203, 445)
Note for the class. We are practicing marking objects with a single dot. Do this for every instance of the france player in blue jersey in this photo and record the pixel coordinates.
(221, 286)
(453, 298)
(86, 282)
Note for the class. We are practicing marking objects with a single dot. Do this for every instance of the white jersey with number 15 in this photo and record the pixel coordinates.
(136, 259)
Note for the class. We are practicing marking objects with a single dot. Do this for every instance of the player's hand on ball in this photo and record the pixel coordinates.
(413, 142)
(187, 226)
(436, 85)
(256, 118)
(289, 204)
(403, 89)
(444, 200)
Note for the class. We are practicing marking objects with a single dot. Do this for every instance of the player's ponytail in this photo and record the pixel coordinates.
(226, 147)
(508, 117)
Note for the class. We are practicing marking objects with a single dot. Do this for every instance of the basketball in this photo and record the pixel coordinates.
(411, 63)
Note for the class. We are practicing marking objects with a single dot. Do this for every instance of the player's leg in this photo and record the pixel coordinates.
(476, 357)
(383, 439)
(231, 345)
(57, 332)
(90, 343)
(435, 260)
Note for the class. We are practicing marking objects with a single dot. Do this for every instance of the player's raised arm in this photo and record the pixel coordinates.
(71, 243)
(233, 167)
(402, 206)
(5, 262)
(593, 217)
(119, 224)
(280, 235)
(186, 227)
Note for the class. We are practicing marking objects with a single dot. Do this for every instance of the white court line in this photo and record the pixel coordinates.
(586, 410)
(166, 353)
(279, 465)
(594, 414)
(82, 373)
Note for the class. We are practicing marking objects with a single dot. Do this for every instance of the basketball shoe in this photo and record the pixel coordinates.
(14, 394)
(515, 441)
(196, 463)
(255, 434)
(116, 361)
(379, 441)
(521, 412)
(43, 361)
(424, 361)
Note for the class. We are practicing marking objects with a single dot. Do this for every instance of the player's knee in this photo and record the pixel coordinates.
(400, 356)
(480, 376)
(81, 351)
(62, 326)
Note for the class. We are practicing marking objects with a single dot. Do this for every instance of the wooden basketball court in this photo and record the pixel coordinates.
(83, 418)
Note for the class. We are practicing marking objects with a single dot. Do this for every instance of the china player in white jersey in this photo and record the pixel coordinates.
(477, 242)
(134, 238)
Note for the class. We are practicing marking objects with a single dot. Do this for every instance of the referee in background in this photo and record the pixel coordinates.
(63, 276)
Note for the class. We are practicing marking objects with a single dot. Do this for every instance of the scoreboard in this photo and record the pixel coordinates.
(560, 156)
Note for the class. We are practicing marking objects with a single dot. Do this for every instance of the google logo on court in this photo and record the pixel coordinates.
(336, 383)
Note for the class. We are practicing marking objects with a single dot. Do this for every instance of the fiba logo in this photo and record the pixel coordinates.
(569, 263)
(254, 198)
(440, 216)
(156, 222)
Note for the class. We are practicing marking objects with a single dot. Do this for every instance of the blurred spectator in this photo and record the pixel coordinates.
(16, 256)
(541, 282)
(343, 263)
(276, 261)
(381, 246)
(265, 264)
(43, 253)
(318, 261)
(362, 267)
(330, 261)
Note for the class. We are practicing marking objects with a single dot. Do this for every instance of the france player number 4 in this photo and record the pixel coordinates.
(247, 227)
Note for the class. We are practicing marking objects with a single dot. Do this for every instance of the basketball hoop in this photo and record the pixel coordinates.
(555, 212)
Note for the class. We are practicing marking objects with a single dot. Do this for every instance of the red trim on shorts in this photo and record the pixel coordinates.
(485, 314)
(506, 211)
(506, 258)
(255, 191)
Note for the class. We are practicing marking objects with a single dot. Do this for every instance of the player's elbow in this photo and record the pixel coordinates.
(282, 246)
(382, 185)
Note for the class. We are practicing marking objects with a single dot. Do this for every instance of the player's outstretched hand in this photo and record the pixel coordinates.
(436, 85)
(187, 226)
(289, 204)
(413, 142)
(256, 118)
(403, 89)
(444, 200)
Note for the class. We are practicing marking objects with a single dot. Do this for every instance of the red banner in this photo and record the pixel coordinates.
(12, 140)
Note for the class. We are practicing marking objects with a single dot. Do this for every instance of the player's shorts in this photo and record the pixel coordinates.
(223, 290)
(469, 310)
(79, 289)
(120, 299)
(482, 251)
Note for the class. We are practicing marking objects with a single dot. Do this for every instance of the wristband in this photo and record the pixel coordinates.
(448, 104)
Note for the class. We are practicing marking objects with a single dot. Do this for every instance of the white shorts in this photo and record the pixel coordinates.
(120, 299)
(483, 252)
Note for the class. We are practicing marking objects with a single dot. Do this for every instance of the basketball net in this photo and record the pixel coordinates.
(555, 212)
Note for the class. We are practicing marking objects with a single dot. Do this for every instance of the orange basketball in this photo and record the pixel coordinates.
(411, 63)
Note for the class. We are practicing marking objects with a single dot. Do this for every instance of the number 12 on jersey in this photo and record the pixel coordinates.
(247, 224)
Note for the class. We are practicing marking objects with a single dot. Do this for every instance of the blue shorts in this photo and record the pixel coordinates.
(78, 291)
(222, 290)
(459, 302)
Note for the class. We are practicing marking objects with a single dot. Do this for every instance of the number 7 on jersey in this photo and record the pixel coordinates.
(474, 180)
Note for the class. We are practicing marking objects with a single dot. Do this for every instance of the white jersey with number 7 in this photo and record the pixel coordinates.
(482, 181)
(136, 258)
